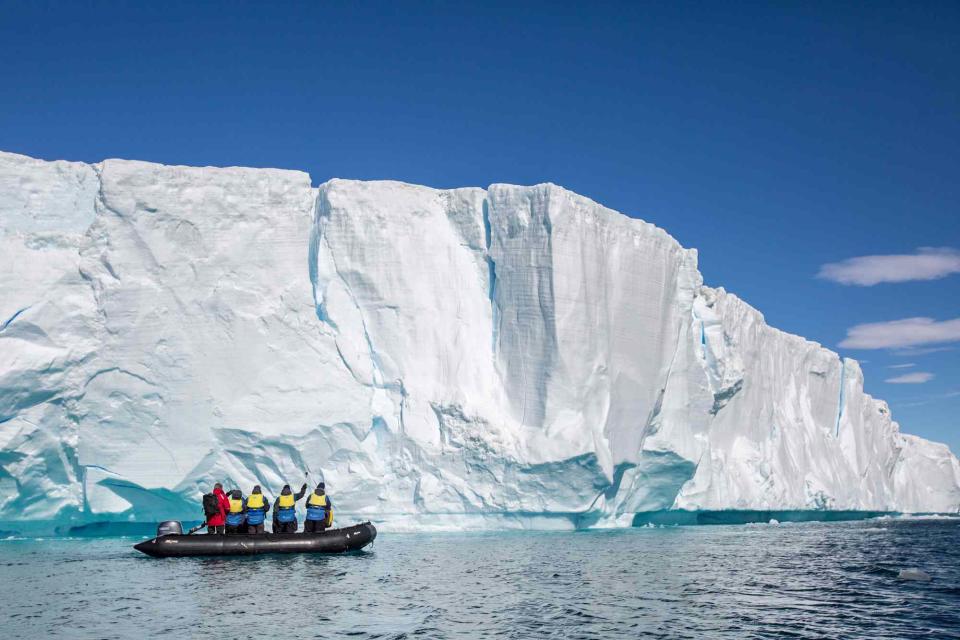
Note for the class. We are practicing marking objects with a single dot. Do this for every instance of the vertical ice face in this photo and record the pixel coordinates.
(593, 308)
(515, 356)
(47, 331)
(205, 310)
(590, 309)
(792, 426)
(402, 284)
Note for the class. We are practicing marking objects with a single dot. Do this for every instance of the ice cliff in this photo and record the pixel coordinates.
(510, 356)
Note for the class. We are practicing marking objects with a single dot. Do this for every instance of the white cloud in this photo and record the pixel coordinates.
(905, 365)
(909, 332)
(917, 377)
(911, 352)
(928, 263)
(925, 400)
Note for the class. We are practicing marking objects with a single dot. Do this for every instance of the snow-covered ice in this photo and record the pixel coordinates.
(466, 358)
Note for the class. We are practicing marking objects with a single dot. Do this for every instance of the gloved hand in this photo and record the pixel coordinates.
(304, 487)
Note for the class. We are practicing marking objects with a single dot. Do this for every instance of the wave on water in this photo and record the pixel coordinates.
(749, 516)
(815, 580)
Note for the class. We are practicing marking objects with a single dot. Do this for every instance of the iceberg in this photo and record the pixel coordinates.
(463, 358)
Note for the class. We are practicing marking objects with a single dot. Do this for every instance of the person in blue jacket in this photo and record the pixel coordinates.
(256, 507)
(319, 511)
(285, 510)
(236, 514)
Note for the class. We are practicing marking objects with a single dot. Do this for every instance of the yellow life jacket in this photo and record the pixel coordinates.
(255, 501)
(315, 502)
(236, 506)
(285, 501)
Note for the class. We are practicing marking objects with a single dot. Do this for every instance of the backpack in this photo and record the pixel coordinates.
(211, 506)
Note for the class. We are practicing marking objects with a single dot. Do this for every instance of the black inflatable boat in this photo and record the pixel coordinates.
(178, 545)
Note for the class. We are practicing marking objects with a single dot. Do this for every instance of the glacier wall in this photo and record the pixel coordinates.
(511, 356)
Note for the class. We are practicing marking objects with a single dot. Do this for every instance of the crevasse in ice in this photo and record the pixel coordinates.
(510, 356)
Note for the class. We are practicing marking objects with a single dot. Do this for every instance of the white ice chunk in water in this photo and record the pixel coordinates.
(914, 574)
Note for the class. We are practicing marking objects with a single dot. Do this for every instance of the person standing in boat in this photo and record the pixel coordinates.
(256, 507)
(319, 511)
(215, 507)
(236, 514)
(285, 510)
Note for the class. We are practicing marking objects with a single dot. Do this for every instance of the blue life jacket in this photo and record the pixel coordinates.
(286, 510)
(317, 507)
(235, 515)
(256, 508)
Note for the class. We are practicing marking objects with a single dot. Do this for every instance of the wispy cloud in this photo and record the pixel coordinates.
(910, 352)
(928, 399)
(928, 263)
(905, 365)
(917, 377)
(909, 332)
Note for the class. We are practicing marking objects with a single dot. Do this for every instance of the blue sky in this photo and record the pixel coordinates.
(775, 139)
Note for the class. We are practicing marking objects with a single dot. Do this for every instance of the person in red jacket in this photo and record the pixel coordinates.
(216, 523)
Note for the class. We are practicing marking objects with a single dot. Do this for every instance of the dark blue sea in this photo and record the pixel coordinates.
(805, 580)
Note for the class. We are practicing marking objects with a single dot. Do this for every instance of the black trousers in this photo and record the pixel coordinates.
(285, 527)
(314, 526)
(255, 528)
(216, 529)
(232, 531)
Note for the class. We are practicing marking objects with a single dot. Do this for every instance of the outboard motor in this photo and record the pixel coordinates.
(169, 528)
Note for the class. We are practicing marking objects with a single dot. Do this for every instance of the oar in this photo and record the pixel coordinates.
(196, 528)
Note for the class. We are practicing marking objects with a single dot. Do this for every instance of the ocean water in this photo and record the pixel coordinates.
(804, 580)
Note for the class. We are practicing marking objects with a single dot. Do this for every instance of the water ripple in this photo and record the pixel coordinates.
(802, 581)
